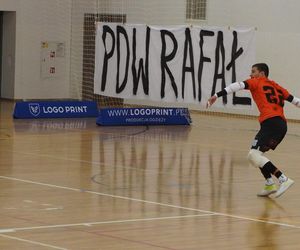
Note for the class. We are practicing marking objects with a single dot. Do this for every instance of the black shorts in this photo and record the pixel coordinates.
(271, 133)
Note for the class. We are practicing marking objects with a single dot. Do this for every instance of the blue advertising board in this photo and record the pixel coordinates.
(143, 116)
(55, 109)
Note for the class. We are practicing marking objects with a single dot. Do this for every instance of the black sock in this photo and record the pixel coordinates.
(278, 173)
(265, 172)
(270, 168)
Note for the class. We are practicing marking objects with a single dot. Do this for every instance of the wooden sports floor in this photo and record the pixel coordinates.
(70, 184)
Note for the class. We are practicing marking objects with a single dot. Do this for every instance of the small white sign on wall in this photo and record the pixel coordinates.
(52, 59)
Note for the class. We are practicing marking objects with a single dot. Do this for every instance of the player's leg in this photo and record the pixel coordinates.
(257, 159)
(270, 135)
(277, 128)
(284, 181)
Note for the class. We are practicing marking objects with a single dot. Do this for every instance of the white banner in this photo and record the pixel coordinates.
(172, 64)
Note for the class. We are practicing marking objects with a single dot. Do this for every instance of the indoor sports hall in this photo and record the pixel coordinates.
(81, 183)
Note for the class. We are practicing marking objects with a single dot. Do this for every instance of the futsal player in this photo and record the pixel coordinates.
(269, 98)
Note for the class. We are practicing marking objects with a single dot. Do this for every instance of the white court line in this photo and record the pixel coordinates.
(103, 194)
(11, 230)
(153, 202)
(32, 242)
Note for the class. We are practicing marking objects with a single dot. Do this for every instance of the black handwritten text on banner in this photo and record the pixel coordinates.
(177, 64)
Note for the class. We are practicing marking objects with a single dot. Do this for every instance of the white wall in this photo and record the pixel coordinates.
(136, 11)
(37, 21)
(10, 5)
(166, 12)
(277, 23)
(277, 43)
(42, 20)
(278, 36)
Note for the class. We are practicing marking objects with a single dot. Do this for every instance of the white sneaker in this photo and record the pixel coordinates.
(284, 186)
(268, 189)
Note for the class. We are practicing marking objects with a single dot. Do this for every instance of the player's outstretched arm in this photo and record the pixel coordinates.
(233, 87)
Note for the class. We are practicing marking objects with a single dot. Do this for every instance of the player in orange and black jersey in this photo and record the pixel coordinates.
(269, 97)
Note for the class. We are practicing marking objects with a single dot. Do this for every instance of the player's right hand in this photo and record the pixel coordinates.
(211, 101)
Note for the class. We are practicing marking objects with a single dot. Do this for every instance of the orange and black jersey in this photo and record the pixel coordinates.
(268, 96)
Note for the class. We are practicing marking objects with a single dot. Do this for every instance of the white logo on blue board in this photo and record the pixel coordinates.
(34, 109)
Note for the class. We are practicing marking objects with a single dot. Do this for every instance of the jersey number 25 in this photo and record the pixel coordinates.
(274, 95)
